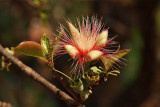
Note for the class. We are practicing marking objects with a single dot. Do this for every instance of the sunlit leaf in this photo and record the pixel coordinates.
(9, 51)
(30, 48)
(45, 43)
(96, 70)
(112, 58)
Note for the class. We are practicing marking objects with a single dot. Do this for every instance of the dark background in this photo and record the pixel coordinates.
(137, 24)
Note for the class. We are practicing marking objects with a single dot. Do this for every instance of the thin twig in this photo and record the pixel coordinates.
(64, 84)
(35, 76)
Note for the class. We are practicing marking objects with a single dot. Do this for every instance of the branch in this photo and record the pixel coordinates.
(35, 76)
(64, 84)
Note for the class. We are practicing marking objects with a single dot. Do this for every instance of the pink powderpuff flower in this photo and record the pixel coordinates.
(86, 43)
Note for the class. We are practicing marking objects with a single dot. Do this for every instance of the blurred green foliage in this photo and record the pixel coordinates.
(134, 60)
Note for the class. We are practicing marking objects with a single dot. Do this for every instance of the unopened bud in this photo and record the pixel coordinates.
(73, 30)
(93, 55)
(102, 38)
(71, 50)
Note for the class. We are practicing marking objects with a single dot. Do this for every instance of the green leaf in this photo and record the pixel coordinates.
(30, 48)
(91, 76)
(89, 80)
(36, 2)
(59, 36)
(110, 73)
(101, 68)
(96, 70)
(45, 43)
(9, 51)
(8, 65)
(56, 40)
(2, 63)
(115, 72)
(77, 85)
(112, 58)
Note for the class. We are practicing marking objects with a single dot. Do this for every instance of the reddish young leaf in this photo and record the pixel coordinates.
(30, 48)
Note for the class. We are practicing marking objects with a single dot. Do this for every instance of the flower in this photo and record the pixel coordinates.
(86, 43)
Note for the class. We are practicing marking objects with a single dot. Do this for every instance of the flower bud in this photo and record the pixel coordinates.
(71, 50)
(102, 38)
(93, 55)
(73, 30)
